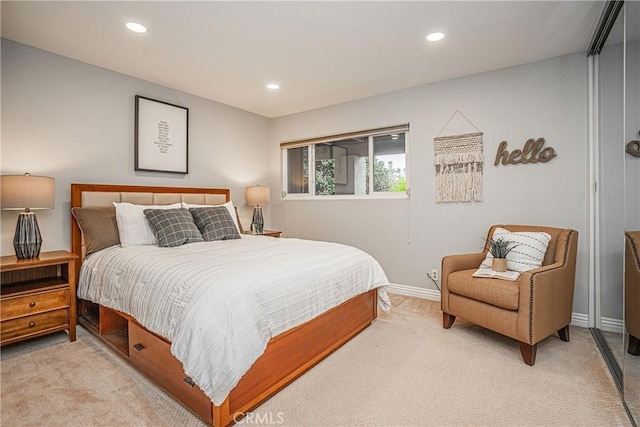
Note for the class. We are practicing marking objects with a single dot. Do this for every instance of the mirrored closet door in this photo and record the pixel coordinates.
(631, 345)
(610, 192)
(616, 77)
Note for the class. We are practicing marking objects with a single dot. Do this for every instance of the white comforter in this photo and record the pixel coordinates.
(219, 303)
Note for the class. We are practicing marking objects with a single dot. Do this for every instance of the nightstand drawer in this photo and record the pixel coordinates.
(12, 308)
(30, 325)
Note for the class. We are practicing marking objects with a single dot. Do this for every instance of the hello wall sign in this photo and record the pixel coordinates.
(532, 152)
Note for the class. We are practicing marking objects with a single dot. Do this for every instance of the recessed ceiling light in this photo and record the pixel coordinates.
(434, 37)
(273, 86)
(136, 28)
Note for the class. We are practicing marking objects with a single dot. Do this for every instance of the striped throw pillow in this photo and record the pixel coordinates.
(527, 255)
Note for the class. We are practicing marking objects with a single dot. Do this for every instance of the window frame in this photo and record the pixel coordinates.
(312, 142)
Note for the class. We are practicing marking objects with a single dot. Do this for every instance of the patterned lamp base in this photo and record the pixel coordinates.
(27, 240)
(257, 224)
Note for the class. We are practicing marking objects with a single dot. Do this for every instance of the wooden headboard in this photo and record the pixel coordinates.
(102, 195)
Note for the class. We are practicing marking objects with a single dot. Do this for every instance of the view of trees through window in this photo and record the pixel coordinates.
(386, 177)
(325, 177)
(389, 163)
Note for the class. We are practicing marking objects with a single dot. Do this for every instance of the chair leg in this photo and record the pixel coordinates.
(634, 346)
(564, 334)
(447, 320)
(528, 353)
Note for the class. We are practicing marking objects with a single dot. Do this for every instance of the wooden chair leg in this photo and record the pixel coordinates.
(528, 353)
(447, 320)
(634, 346)
(564, 334)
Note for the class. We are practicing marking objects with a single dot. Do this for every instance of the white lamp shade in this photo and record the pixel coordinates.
(258, 195)
(27, 192)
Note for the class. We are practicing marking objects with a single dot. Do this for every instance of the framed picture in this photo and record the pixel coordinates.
(161, 136)
(340, 168)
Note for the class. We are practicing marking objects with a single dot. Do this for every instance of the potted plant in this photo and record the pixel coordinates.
(500, 248)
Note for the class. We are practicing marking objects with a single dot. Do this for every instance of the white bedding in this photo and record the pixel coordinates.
(219, 303)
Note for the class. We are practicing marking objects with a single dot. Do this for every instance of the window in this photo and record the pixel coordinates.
(363, 164)
(298, 170)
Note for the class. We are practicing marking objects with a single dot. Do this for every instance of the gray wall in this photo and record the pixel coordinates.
(74, 121)
(410, 236)
(632, 164)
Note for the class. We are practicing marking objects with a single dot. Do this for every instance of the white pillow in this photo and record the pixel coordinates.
(228, 205)
(527, 255)
(133, 226)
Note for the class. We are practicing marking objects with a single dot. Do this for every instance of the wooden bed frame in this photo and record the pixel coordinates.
(287, 356)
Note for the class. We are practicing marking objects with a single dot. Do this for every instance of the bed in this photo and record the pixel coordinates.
(293, 345)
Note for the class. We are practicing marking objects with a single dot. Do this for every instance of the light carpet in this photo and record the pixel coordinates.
(404, 370)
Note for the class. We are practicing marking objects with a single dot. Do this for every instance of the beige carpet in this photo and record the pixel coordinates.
(632, 384)
(402, 370)
(616, 345)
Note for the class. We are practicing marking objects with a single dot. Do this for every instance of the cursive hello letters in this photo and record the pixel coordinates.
(532, 152)
(633, 148)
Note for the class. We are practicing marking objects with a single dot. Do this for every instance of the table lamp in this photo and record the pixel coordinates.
(27, 192)
(257, 196)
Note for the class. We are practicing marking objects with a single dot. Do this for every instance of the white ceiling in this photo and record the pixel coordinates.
(322, 53)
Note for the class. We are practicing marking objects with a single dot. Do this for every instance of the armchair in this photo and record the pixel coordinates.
(530, 309)
(632, 290)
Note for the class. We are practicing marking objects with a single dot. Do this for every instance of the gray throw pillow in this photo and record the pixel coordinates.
(215, 223)
(99, 227)
(173, 227)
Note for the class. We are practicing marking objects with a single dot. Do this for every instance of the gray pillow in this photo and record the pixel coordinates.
(215, 223)
(173, 227)
(99, 227)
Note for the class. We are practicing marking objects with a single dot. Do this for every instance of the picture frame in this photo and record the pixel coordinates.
(340, 171)
(161, 136)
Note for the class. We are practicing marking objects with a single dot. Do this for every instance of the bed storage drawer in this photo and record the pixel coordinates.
(152, 355)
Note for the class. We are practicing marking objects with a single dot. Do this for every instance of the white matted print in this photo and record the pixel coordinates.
(161, 136)
(340, 167)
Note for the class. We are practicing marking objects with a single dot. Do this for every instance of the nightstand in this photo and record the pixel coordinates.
(37, 296)
(270, 233)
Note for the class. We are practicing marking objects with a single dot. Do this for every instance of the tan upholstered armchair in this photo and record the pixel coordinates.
(632, 290)
(530, 309)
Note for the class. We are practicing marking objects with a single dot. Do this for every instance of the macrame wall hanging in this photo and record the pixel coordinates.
(458, 160)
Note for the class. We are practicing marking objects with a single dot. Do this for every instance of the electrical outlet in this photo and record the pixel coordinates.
(434, 274)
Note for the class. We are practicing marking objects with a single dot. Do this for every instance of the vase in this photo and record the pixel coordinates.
(499, 264)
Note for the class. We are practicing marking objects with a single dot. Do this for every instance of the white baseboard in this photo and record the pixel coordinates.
(412, 291)
(577, 319)
(612, 325)
(580, 319)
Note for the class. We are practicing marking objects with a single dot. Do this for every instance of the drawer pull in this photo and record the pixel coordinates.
(138, 347)
(32, 304)
(32, 324)
(189, 381)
